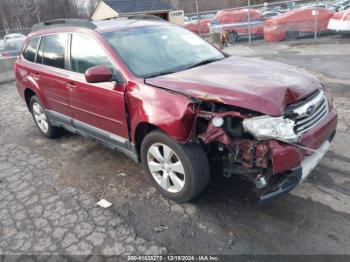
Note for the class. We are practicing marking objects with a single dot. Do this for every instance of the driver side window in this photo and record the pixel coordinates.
(86, 53)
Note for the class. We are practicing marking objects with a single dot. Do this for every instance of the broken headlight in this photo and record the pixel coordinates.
(266, 127)
(217, 121)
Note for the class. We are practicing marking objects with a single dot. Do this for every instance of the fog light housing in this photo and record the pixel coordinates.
(217, 121)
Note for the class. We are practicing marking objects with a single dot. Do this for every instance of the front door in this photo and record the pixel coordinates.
(98, 109)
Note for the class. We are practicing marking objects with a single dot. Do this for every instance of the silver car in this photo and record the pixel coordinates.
(14, 40)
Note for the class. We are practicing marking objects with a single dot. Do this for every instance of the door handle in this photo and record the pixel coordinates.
(71, 87)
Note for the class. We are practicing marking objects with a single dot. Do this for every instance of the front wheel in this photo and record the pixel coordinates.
(232, 37)
(180, 172)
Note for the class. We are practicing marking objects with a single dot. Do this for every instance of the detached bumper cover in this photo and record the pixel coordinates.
(299, 174)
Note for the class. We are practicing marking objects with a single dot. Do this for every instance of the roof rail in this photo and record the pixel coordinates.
(64, 22)
(145, 17)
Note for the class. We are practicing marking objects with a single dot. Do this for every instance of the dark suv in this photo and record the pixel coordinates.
(165, 97)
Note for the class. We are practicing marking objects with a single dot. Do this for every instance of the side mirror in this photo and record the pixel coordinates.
(98, 74)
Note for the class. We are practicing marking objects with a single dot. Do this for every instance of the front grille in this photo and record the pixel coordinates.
(310, 112)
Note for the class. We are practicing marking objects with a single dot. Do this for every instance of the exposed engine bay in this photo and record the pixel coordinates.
(265, 159)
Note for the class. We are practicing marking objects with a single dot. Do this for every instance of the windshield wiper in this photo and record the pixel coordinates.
(204, 62)
(161, 74)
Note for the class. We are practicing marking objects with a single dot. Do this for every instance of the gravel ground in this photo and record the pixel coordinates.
(49, 190)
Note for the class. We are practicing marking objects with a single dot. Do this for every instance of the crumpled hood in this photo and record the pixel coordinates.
(250, 83)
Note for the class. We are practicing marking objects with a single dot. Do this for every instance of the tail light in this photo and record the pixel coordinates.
(15, 66)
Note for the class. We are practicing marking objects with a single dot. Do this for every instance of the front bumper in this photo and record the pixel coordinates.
(298, 174)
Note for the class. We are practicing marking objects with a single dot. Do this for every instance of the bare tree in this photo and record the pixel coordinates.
(19, 14)
(91, 7)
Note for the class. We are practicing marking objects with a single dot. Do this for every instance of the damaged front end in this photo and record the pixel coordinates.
(259, 148)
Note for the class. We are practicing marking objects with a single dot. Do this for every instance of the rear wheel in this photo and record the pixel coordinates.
(42, 121)
(232, 37)
(292, 35)
(179, 172)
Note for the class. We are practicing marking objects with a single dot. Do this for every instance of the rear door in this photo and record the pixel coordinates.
(51, 74)
(96, 108)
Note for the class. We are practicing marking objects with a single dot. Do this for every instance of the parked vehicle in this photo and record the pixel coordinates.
(12, 47)
(340, 22)
(11, 51)
(268, 122)
(2, 46)
(296, 23)
(186, 20)
(193, 19)
(269, 14)
(334, 8)
(235, 22)
(14, 40)
(319, 5)
(345, 7)
(347, 2)
(207, 16)
(199, 28)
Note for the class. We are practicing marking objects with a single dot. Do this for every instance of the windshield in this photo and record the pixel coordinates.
(152, 51)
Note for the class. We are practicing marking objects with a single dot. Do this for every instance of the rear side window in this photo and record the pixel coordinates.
(30, 51)
(54, 50)
(86, 53)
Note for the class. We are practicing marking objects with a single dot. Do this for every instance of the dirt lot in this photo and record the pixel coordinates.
(64, 178)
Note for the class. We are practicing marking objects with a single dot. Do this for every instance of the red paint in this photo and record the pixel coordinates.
(321, 131)
(343, 15)
(199, 28)
(232, 21)
(170, 102)
(284, 157)
(249, 83)
(171, 112)
(298, 20)
(98, 74)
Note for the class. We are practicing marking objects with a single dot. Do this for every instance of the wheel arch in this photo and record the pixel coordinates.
(141, 131)
(152, 108)
(31, 89)
(28, 94)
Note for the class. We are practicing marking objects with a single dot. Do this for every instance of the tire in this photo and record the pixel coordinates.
(190, 160)
(232, 37)
(40, 116)
(292, 35)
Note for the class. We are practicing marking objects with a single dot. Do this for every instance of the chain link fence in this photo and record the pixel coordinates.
(272, 22)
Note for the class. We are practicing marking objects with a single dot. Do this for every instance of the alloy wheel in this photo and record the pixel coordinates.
(40, 117)
(166, 168)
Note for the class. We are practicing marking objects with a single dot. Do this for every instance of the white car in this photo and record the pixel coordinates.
(269, 14)
(14, 40)
(340, 22)
(186, 20)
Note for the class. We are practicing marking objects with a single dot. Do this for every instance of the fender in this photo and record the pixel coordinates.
(30, 83)
(171, 112)
(26, 81)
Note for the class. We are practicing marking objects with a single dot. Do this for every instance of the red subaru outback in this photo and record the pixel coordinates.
(165, 97)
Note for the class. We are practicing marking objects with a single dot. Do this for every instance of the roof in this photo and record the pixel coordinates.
(138, 6)
(103, 26)
(122, 24)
